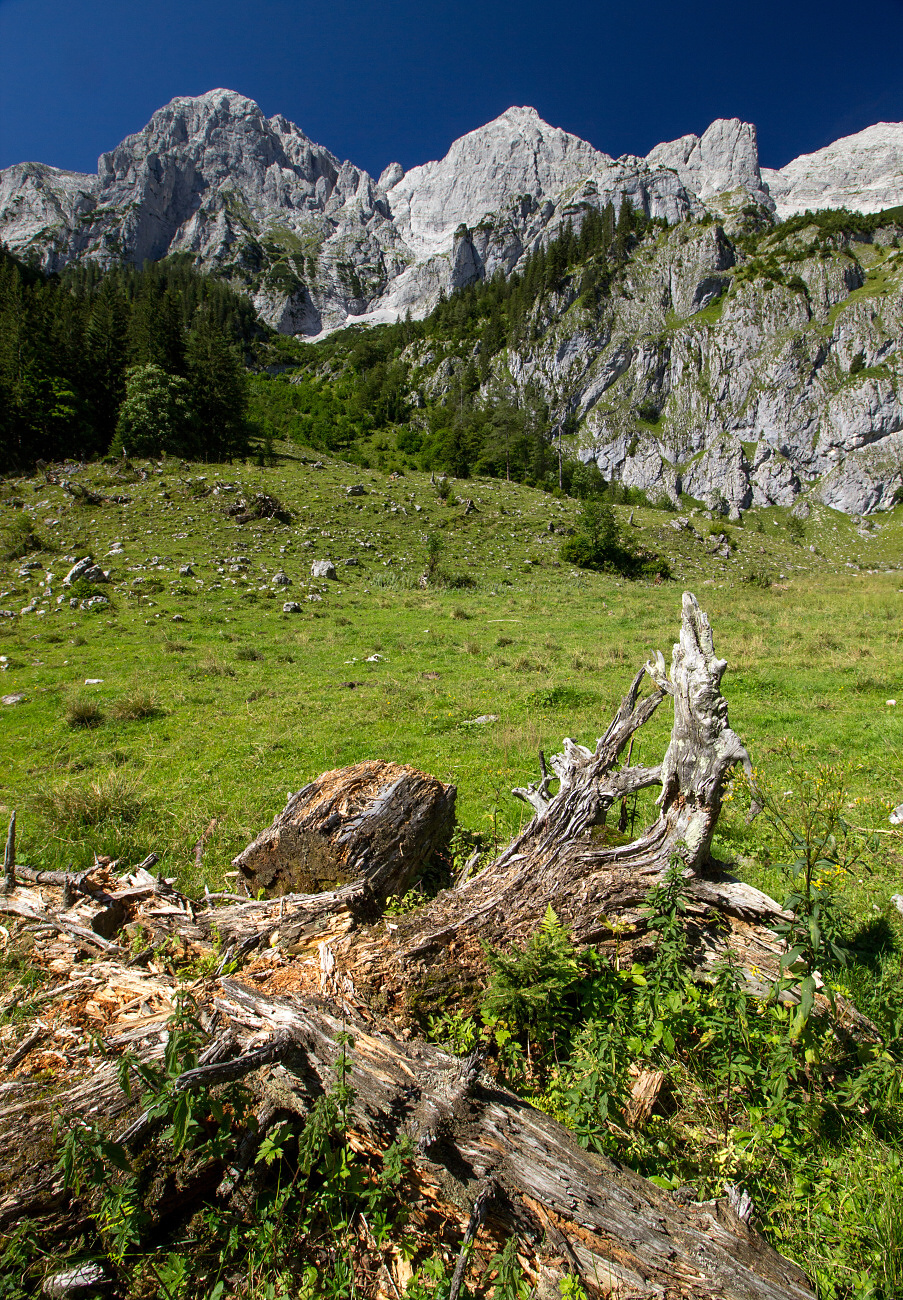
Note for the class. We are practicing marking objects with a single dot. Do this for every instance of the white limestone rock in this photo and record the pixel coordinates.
(721, 473)
(724, 158)
(863, 172)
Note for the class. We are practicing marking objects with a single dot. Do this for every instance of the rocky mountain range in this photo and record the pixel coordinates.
(765, 374)
(319, 243)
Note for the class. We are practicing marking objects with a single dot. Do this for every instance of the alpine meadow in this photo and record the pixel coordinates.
(388, 909)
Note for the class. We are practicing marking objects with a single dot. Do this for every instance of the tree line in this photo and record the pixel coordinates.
(353, 395)
(125, 359)
(155, 361)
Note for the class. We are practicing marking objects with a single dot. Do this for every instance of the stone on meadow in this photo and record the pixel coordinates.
(86, 569)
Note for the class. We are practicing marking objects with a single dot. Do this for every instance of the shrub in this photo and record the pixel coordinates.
(599, 545)
(82, 589)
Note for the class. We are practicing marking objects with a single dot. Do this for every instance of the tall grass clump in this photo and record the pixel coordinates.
(136, 706)
(82, 712)
(110, 798)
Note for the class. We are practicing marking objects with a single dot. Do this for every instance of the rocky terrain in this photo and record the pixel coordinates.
(737, 380)
(732, 369)
(863, 172)
(319, 242)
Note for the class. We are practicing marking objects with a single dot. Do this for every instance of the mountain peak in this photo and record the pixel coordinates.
(725, 157)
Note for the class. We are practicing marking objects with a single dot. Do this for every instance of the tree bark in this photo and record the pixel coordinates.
(377, 823)
(570, 1210)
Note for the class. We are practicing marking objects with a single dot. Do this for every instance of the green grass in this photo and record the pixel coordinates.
(209, 704)
(223, 712)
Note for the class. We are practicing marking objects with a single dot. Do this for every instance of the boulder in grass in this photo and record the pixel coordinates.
(292, 607)
(86, 569)
(323, 569)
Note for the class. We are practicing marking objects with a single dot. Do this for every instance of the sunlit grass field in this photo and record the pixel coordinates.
(206, 704)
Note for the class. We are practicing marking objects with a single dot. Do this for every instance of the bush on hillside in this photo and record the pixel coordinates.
(599, 545)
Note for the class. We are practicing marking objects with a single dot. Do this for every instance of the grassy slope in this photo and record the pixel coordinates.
(253, 702)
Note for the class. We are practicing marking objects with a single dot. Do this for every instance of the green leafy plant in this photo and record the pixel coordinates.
(530, 988)
(808, 820)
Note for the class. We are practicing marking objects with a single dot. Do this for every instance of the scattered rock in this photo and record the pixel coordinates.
(95, 602)
(896, 817)
(351, 563)
(375, 659)
(481, 720)
(281, 579)
(292, 607)
(356, 490)
(186, 571)
(12, 699)
(87, 569)
(323, 569)
(178, 618)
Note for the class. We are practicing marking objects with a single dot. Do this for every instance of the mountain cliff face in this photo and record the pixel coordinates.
(730, 362)
(738, 369)
(318, 242)
(863, 172)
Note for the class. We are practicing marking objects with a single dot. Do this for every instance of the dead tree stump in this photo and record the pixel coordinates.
(361, 834)
(375, 823)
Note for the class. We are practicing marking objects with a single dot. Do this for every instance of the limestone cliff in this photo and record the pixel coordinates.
(714, 369)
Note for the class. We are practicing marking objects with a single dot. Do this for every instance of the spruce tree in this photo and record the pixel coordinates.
(219, 391)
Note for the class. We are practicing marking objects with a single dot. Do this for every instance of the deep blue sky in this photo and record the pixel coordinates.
(377, 80)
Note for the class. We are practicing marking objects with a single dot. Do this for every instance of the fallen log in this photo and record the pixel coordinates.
(571, 1210)
(377, 823)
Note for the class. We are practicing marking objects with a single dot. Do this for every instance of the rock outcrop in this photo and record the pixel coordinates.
(723, 159)
(862, 172)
